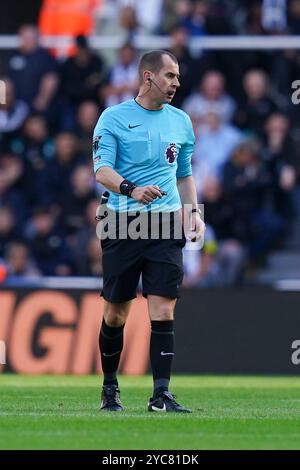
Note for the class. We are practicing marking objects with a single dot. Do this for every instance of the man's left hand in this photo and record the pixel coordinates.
(196, 228)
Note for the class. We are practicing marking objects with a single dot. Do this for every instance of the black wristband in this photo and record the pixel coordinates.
(126, 188)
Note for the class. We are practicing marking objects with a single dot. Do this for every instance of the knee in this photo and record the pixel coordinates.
(115, 316)
(161, 308)
(165, 313)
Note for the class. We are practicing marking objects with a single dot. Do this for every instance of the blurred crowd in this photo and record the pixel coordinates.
(246, 161)
(158, 16)
(199, 17)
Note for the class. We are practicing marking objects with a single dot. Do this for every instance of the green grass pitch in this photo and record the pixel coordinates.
(61, 412)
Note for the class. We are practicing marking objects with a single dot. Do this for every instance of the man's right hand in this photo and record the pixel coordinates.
(146, 194)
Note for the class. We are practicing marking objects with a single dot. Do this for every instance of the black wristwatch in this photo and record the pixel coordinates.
(196, 210)
(126, 187)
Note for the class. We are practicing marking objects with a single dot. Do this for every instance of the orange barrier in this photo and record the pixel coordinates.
(49, 331)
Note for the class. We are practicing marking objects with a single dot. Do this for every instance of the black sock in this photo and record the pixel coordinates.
(161, 354)
(111, 345)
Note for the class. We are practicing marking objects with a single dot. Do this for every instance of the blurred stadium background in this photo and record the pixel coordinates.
(64, 61)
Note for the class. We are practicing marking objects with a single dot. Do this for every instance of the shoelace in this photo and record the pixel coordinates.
(111, 395)
(171, 397)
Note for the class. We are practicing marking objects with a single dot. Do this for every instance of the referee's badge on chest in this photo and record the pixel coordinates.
(171, 152)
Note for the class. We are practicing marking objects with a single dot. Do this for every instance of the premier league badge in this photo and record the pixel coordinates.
(171, 153)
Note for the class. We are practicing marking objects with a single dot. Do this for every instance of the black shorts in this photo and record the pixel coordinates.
(158, 261)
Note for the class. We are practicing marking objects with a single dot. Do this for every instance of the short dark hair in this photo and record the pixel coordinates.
(81, 41)
(153, 61)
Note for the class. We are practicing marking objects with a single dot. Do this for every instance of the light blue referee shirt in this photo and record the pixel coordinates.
(145, 147)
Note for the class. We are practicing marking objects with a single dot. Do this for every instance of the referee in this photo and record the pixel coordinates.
(142, 152)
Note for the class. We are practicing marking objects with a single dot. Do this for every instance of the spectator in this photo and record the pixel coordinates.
(190, 68)
(128, 21)
(34, 73)
(87, 117)
(54, 180)
(247, 185)
(81, 80)
(119, 19)
(12, 114)
(19, 262)
(282, 160)
(294, 17)
(219, 212)
(133, 14)
(231, 256)
(76, 199)
(175, 12)
(210, 98)
(214, 145)
(219, 20)
(123, 77)
(274, 18)
(148, 13)
(257, 106)
(47, 243)
(216, 265)
(35, 147)
(253, 22)
(251, 19)
(35, 144)
(195, 22)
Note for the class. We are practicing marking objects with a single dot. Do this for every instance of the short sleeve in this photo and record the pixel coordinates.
(185, 154)
(104, 142)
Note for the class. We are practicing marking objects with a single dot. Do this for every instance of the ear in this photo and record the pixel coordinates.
(147, 77)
